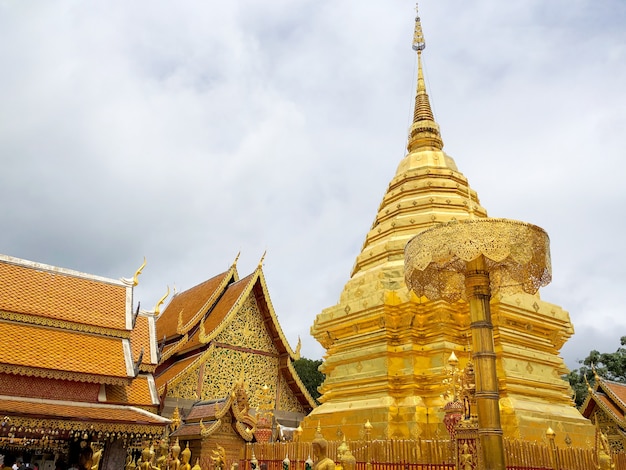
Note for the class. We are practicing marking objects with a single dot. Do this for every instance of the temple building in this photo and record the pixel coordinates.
(227, 368)
(75, 367)
(605, 406)
(387, 349)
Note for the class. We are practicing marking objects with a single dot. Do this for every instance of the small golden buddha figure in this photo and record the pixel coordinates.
(348, 461)
(174, 463)
(185, 458)
(197, 465)
(146, 457)
(161, 461)
(321, 461)
(95, 459)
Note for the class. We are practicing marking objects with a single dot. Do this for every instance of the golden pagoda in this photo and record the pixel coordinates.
(387, 349)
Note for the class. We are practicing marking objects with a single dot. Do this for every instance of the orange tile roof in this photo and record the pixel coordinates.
(163, 376)
(190, 302)
(610, 405)
(219, 312)
(140, 339)
(62, 296)
(202, 411)
(136, 394)
(39, 387)
(188, 430)
(618, 389)
(91, 412)
(50, 349)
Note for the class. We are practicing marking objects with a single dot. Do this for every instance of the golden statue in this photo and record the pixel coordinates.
(348, 461)
(146, 457)
(321, 461)
(186, 457)
(604, 453)
(96, 459)
(467, 459)
(197, 465)
(174, 463)
(161, 461)
(219, 457)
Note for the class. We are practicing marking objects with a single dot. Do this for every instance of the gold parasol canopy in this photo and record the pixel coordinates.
(516, 254)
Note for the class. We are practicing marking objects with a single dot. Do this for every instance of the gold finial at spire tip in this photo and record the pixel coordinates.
(418, 36)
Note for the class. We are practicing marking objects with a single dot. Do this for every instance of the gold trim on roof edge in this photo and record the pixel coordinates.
(31, 319)
(206, 432)
(297, 379)
(62, 375)
(593, 395)
(190, 368)
(71, 425)
(257, 275)
(232, 272)
(598, 401)
(175, 348)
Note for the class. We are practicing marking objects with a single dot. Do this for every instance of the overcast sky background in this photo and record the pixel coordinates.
(189, 131)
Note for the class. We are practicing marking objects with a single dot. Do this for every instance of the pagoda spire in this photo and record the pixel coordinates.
(424, 133)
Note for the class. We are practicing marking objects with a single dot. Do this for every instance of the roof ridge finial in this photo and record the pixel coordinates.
(260, 266)
(424, 133)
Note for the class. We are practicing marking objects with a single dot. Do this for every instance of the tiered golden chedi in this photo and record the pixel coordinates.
(387, 348)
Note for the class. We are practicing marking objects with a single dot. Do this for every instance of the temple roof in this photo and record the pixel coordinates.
(65, 354)
(74, 351)
(609, 396)
(185, 307)
(61, 295)
(207, 309)
(70, 415)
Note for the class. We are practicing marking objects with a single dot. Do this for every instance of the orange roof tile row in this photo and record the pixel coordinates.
(618, 389)
(140, 340)
(219, 312)
(26, 289)
(165, 375)
(38, 387)
(189, 302)
(136, 394)
(190, 429)
(610, 405)
(61, 350)
(202, 411)
(50, 409)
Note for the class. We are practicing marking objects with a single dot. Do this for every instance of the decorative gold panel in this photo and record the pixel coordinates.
(226, 366)
(247, 329)
(186, 387)
(287, 401)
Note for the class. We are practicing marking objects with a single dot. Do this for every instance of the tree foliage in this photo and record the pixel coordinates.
(309, 373)
(610, 366)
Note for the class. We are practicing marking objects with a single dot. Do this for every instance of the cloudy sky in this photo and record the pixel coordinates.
(190, 131)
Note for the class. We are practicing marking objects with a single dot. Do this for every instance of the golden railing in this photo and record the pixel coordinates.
(425, 455)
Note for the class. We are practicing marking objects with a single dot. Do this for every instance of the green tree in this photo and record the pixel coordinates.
(308, 370)
(610, 366)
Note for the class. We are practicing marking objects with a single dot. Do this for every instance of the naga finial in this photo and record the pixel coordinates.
(262, 259)
(236, 258)
(134, 281)
(157, 307)
(298, 347)
(418, 36)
